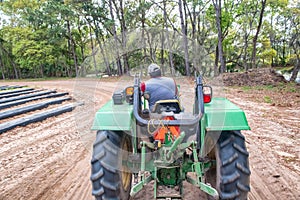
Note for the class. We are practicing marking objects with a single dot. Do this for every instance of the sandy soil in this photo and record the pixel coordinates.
(51, 159)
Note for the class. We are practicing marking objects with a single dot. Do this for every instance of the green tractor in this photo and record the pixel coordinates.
(166, 147)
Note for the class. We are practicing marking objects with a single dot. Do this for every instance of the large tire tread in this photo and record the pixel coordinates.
(105, 172)
(231, 174)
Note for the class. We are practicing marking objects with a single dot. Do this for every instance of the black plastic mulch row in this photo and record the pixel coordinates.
(4, 87)
(14, 91)
(18, 93)
(26, 96)
(7, 87)
(36, 117)
(22, 101)
(38, 106)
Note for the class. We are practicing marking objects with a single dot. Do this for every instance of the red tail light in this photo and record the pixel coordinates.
(207, 98)
(207, 94)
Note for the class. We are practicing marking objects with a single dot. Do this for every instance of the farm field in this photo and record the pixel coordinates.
(51, 159)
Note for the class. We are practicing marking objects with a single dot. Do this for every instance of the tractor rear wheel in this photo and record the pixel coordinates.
(230, 175)
(110, 178)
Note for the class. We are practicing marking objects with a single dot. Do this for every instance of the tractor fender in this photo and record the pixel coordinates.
(220, 114)
(114, 117)
(223, 115)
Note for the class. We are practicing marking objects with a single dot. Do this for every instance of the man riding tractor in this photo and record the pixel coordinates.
(158, 87)
(168, 146)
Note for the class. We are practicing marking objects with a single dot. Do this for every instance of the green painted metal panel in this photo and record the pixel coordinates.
(113, 117)
(222, 114)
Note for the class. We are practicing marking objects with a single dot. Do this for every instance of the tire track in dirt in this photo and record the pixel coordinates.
(37, 158)
(27, 136)
(73, 184)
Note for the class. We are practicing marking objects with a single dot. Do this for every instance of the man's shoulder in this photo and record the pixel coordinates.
(166, 78)
(161, 79)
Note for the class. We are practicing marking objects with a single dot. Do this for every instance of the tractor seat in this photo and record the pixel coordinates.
(169, 105)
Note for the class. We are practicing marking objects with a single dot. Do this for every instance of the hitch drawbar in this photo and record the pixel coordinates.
(162, 163)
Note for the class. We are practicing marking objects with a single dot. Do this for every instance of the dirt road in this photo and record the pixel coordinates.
(51, 159)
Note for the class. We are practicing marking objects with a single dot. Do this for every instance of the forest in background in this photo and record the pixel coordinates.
(68, 38)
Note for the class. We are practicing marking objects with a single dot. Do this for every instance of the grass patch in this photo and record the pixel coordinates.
(281, 87)
(288, 87)
(269, 87)
(258, 87)
(267, 99)
(246, 88)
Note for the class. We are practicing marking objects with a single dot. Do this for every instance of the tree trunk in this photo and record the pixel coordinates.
(245, 51)
(72, 44)
(253, 59)
(119, 66)
(96, 30)
(162, 60)
(185, 41)
(295, 71)
(245, 57)
(194, 39)
(217, 6)
(83, 68)
(93, 52)
(42, 70)
(216, 67)
(124, 37)
(104, 57)
(126, 64)
(121, 18)
(2, 69)
(168, 39)
(193, 18)
(296, 68)
(142, 4)
(12, 63)
(15, 68)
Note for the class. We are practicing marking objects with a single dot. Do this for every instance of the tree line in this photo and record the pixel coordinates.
(67, 38)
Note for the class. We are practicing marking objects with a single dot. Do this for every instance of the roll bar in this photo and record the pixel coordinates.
(188, 122)
(199, 95)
